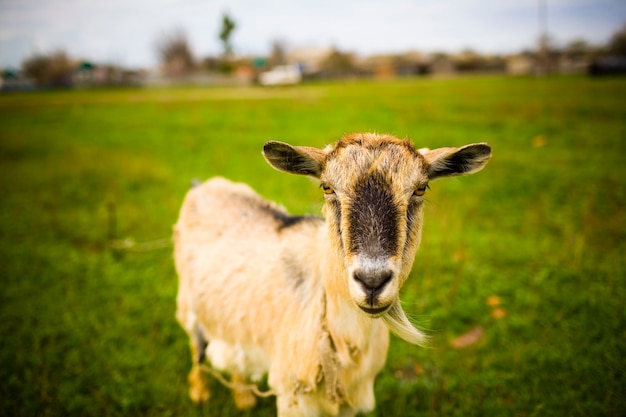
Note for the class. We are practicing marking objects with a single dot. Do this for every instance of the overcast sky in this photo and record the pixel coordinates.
(124, 31)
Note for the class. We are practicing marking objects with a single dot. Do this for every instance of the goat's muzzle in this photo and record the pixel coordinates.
(373, 283)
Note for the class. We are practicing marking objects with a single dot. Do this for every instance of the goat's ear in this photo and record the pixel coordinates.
(447, 162)
(301, 160)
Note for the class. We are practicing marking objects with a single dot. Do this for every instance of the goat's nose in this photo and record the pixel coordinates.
(373, 282)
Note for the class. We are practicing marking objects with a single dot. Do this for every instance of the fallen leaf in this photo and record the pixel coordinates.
(469, 338)
(409, 373)
(494, 301)
(459, 256)
(539, 141)
(498, 313)
(419, 369)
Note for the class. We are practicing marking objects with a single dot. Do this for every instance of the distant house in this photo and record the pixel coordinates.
(310, 59)
(13, 80)
(412, 63)
(521, 64)
(245, 73)
(84, 74)
(572, 65)
(390, 66)
(442, 65)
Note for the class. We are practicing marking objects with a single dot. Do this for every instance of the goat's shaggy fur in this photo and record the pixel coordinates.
(305, 300)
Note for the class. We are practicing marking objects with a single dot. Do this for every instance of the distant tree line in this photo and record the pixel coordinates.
(57, 69)
(52, 69)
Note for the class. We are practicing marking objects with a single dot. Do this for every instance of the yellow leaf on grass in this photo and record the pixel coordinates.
(419, 369)
(494, 301)
(539, 141)
(498, 313)
(469, 338)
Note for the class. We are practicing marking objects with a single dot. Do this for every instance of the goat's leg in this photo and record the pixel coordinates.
(346, 412)
(286, 407)
(242, 394)
(198, 385)
(198, 379)
(310, 405)
(298, 406)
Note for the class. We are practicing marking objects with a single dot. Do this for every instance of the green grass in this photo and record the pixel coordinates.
(89, 331)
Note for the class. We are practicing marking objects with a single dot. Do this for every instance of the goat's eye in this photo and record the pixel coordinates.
(328, 189)
(421, 190)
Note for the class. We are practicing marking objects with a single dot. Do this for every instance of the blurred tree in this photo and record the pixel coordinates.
(545, 54)
(174, 53)
(210, 63)
(228, 26)
(278, 56)
(578, 48)
(617, 44)
(52, 70)
(338, 64)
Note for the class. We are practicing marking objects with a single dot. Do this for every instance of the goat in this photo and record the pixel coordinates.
(308, 301)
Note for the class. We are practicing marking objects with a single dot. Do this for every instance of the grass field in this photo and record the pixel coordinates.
(520, 279)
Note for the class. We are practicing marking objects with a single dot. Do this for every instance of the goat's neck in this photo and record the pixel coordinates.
(349, 328)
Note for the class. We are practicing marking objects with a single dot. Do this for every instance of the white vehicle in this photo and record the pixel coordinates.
(281, 75)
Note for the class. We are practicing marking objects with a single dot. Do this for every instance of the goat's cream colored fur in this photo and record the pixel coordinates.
(267, 322)
(278, 297)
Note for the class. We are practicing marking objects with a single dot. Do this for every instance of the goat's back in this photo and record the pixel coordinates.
(247, 269)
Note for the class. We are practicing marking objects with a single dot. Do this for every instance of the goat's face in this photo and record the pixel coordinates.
(374, 189)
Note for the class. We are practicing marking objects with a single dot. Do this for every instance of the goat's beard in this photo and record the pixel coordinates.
(399, 324)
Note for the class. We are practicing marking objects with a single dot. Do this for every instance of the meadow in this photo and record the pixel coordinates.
(520, 279)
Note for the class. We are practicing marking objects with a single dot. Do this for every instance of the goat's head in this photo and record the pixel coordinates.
(374, 189)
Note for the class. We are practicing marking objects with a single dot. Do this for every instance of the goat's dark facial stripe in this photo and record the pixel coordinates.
(336, 209)
(411, 219)
(373, 218)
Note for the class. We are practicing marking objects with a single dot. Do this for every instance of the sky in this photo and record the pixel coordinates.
(125, 32)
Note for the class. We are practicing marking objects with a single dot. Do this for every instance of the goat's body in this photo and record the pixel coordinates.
(254, 283)
(308, 301)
